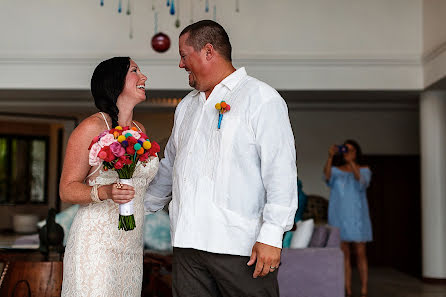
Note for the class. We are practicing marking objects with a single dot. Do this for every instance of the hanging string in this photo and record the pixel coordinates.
(206, 9)
(153, 5)
(131, 27)
(156, 22)
(191, 11)
(237, 6)
(214, 18)
(120, 6)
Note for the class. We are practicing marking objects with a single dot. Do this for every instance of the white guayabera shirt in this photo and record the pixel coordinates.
(231, 186)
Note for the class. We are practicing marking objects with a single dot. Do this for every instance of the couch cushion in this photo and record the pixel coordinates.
(302, 235)
(319, 237)
(334, 237)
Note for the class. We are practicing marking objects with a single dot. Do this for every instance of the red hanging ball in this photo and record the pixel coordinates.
(160, 42)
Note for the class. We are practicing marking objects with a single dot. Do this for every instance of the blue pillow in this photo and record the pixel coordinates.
(157, 231)
(64, 218)
(287, 239)
(302, 203)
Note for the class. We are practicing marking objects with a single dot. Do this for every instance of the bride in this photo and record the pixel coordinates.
(101, 260)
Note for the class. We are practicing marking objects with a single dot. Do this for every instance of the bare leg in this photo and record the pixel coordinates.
(361, 259)
(345, 246)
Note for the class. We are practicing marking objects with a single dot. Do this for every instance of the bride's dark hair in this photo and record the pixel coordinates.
(107, 83)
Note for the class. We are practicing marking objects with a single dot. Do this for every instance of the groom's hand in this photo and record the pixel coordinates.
(267, 256)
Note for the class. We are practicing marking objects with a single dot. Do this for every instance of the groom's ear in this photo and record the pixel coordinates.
(209, 51)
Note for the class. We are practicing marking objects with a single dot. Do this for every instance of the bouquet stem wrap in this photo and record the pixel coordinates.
(126, 211)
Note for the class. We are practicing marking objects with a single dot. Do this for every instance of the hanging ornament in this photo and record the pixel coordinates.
(153, 5)
(237, 6)
(128, 12)
(177, 21)
(172, 8)
(120, 6)
(206, 9)
(214, 18)
(102, 2)
(160, 41)
(130, 20)
(168, 3)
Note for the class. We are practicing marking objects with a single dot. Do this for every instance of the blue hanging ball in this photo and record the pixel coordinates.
(102, 2)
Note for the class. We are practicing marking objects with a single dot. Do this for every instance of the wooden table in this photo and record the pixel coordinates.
(28, 268)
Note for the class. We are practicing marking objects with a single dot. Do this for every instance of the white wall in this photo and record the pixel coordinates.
(434, 40)
(378, 131)
(292, 44)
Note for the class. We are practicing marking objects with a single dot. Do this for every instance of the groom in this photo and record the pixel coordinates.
(232, 177)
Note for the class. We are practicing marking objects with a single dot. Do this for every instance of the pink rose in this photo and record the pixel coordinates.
(117, 149)
(93, 158)
(103, 134)
(107, 140)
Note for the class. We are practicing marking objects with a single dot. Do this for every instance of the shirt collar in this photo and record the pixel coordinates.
(233, 79)
(230, 81)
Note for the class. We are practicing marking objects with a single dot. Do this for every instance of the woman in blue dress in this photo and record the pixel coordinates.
(348, 209)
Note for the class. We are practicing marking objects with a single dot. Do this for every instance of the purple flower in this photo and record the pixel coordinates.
(117, 149)
(125, 143)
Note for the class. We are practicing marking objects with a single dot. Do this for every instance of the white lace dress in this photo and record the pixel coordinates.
(101, 260)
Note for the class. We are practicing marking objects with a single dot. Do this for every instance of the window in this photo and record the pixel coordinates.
(23, 169)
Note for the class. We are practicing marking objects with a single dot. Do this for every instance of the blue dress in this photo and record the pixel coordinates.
(348, 209)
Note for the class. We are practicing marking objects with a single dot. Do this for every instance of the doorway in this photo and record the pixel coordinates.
(394, 198)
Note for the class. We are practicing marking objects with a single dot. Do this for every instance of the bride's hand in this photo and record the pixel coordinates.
(121, 193)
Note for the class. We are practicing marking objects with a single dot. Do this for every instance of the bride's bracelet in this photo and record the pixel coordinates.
(94, 193)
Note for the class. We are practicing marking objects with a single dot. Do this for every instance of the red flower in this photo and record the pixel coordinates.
(96, 139)
(106, 154)
(125, 160)
(144, 156)
(131, 140)
(130, 150)
(154, 149)
(118, 165)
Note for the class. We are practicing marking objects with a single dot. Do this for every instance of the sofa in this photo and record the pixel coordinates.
(315, 271)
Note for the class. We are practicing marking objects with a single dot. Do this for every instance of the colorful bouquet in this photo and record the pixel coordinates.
(120, 149)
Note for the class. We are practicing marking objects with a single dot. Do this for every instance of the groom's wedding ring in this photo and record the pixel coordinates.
(118, 185)
(272, 267)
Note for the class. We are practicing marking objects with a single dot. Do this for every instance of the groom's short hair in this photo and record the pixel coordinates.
(207, 31)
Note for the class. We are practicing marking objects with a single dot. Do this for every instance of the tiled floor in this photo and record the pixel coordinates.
(387, 282)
